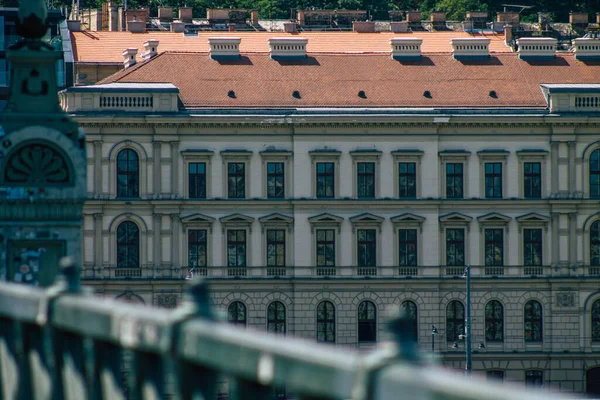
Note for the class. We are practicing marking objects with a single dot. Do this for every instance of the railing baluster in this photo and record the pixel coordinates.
(9, 360)
(147, 380)
(195, 382)
(242, 389)
(40, 368)
(71, 363)
(108, 373)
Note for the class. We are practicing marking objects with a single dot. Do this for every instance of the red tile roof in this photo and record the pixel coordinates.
(334, 80)
(107, 47)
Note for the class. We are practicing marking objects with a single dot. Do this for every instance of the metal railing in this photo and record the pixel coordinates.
(65, 343)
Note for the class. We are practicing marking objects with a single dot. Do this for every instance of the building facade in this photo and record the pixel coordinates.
(314, 220)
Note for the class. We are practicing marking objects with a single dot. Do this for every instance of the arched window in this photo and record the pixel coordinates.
(494, 321)
(326, 322)
(367, 322)
(236, 313)
(128, 174)
(595, 173)
(455, 320)
(276, 317)
(533, 321)
(411, 310)
(128, 245)
(596, 321)
(595, 244)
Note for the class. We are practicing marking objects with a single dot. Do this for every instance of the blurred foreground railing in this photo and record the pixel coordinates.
(66, 343)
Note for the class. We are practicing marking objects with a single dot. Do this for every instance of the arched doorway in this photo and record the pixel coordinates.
(592, 381)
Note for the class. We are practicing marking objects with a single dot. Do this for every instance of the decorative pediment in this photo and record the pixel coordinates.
(455, 217)
(276, 219)
(407, 218)
(494, 218)
(236, 219)
(325, 219)
(366, 218)
(197, 218)
(533, 218)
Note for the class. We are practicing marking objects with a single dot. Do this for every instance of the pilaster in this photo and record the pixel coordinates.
(572, 238)
(175, 235)
(554, 239)
(572, 171)
(554, 148)
(98, 240)
(157, 245)
(156, 175)
(174, 169)
(98, 176)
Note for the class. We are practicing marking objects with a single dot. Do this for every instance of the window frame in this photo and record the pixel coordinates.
(127, 173)
(326, 320)
(238, 322)
(237, 243)
(539, 243)
(198, 221)
(594, 243)
(533, 156)
(530, 319)
(196, 174)
(237, 156)
(135, 244)
(197, 156)
(366, 245)
(532, 383)
(277, 243)
(190, 244)
(323, 177)
(236, 222)
(320, 222)
(408, 221)
(325, 155)
(488, 156)
(593, 153)
(326, 242)
(494, 220)
(533, 221)
(497, 190)
(454, 220)
(276, 320)
(143, 160)
(371, 323)
(456, 332)
(407, 156)
(237, 192)
(494, 319)
(366, 221)
(530, 176)
(450, 157)
(415, 319)
(366, 156)
(365, 176)
(277, 156)
(595, 320)
(494, 375)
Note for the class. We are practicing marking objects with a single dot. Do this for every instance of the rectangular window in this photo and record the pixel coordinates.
(236, 248)
(455, 247)
(454, 181)
(275, 248)
(495, 375)
(367, 247)
(275, 180)
(532, 247)
(534, 378)
(4, 75)
(494, 247)
(325, 179)
(236, 180)
(407, 179)
(197, 248)
(532, 180)
(407, 247)
(325, 248)
(365, 174)
(493, 180)
(197, 180)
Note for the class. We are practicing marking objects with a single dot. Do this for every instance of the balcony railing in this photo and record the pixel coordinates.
(64, 342)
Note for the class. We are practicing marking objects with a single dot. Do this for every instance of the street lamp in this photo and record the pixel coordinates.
(468, 366)
(434, 332)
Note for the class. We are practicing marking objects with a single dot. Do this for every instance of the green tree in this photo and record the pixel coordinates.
(456, 9)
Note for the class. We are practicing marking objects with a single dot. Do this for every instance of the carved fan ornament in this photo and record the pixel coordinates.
(36, 165)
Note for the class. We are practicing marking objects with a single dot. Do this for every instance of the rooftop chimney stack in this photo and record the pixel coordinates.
(536, 48)
(288, 48)
(406, 48)
(470, 48)
(165, 14)
(224, 48)
(129, 57)
(586, 48)
(185, 14)
(578, 19)
(151, 49)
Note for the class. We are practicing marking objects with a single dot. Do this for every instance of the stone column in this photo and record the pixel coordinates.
(98, 167)
(554, 168)
(157, 242)
(156, 185)
(572, 174)
(98, 241)
(572, 238)
(555, 240)
(175, 235)
(174, 169)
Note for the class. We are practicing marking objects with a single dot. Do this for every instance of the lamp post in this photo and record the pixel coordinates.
(434, 332)
(468, 366)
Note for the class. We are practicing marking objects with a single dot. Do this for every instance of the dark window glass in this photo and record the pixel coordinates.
(595, 244)
(455, 320)
(276, 317)
(534, 378)
(325, 179)
(236, 313)
(410, 308)
(455, 247)
(494, 247)
(495, 375)
(365, 174)
(494, 321)
(532, 180)
(236, 180)
(128, 245)
(197, 180)
(532, 247)
(128, 174)
(595, 174)
(325, 247)
(367, 322)
(454, 181)
(407, 180)
(275, 180)
(367, 247)
(596, 321)
(276, 248)
(493, 180)
(236, 248)
(533, 321)
(407, 247)
(197, 248)
(326, 322)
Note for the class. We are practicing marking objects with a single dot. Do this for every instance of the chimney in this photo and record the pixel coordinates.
(165, 14)
(136, 20)
(113, 17)
(254, 17)
(578, 19)
(300, 17)
(289, 27)
(508, 18)
(598, 18)
(224, 48)
(289, 48)
(406, 48)
(231, 27)
(413, 18)
(508, 36)
(129, 57)
(363, 26)
(437, 19)
(536, 48)
(185, 14)
(150, 49)
(470, 48)
(177, 26)
(587, 48)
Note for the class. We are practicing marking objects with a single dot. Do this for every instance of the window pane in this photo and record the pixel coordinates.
(236, 180)
(367, 322)
(325, 180)
(533, 321)
(197, 180)
(494, 321)
(407, 247)
(454, 180)
(127, 174)
(532, 247)
(494, 247)
(325, 248)
(455, 320)
(455, 247)
(493, 180)
(275, 180)
(365, 175)
(366, 247)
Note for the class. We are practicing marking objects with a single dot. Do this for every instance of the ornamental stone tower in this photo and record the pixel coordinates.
(42, 162)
